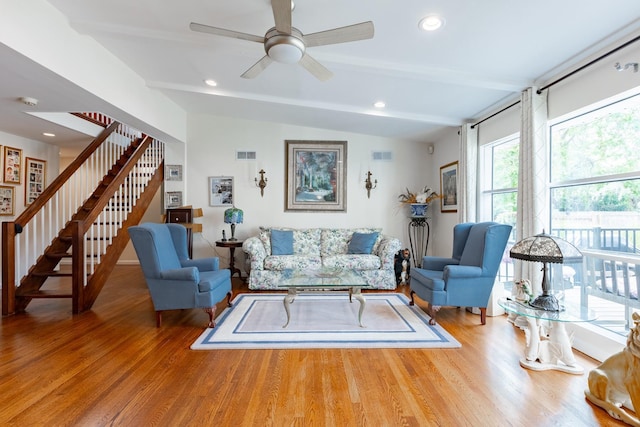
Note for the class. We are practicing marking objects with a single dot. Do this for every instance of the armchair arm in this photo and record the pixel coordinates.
(202, 264)
(437, 263)
(387, 250)
(187, 273)
(461, 271)
(254, 247)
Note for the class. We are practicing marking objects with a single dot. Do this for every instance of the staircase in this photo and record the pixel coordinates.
(81, 217)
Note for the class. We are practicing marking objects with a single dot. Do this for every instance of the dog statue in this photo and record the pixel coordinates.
(615, 384)
(402, 266)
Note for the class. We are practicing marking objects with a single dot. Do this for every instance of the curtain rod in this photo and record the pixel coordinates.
(495, 114)
(622, 46)
(539, 91)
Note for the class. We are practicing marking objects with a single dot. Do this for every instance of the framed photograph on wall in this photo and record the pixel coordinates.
(220, 191)
(12, 165)
(449, 187)
(173, 199)
(316, 174)
(34, 176)
(6, 200)
(173, 173)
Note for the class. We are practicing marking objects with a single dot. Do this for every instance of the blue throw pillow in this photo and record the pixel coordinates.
(362, 243)
(281, 242)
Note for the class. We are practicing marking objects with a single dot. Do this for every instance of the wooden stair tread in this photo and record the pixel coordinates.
(45, 294)
(50, 274)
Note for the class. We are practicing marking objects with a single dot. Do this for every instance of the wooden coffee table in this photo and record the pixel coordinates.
(321, 281)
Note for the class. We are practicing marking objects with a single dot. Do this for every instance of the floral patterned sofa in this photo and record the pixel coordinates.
(314, 248)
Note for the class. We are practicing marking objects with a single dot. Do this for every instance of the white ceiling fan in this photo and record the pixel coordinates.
(286, 44)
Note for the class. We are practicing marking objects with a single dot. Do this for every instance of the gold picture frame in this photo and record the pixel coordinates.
(12, 165)
(316, 174)
(35, 174)
(449, 187)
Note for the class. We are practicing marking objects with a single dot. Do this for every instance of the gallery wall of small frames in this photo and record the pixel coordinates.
(14, 169)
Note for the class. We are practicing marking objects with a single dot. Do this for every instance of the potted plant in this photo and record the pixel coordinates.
(418, 201)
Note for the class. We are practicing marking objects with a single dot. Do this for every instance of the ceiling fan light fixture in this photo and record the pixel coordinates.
(284, 48)
(431, 22)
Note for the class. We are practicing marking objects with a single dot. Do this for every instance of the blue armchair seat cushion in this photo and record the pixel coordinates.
(428, 278)
(210, 280)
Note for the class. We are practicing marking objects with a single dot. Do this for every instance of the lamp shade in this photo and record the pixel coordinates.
(545, 248)
(233, 216)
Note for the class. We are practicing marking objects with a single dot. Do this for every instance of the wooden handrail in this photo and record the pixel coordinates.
(61, 179)
(118, 181)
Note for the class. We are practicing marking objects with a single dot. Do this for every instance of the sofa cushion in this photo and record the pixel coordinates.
(296, 262)
(305, 241)
(335, 241)
(356, 262)
(362, 243)
(282, 242)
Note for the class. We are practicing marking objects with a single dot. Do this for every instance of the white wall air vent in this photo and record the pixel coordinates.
(245, 155)
(382, 156)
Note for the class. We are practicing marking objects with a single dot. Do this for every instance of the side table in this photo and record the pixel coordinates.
(554, 351)
(232, 245)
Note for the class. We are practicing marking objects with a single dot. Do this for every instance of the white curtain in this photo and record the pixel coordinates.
(532, 212)
(468, 174)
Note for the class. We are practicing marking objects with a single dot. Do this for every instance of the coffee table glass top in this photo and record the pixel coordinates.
(325, 278)
(570, 313)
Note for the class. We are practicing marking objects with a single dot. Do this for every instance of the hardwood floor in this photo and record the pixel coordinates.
(112, 366)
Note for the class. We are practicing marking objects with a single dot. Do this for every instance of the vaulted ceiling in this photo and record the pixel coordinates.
(481, 58)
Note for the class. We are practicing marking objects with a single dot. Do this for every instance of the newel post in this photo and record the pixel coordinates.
(8, 268)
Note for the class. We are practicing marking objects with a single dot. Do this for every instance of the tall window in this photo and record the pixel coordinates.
(499, 189)
(595, 204)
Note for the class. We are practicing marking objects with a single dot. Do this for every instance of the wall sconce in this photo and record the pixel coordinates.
(262, 183)
(370, 185)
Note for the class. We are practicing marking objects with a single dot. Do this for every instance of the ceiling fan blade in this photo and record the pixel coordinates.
(201, 28)
(350, 33)
(282, 15)
(257, 68)
(315, 68)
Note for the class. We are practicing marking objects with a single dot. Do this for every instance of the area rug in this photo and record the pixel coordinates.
(323, 321)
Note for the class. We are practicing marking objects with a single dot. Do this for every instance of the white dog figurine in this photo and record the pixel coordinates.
(522, 291)
(615, 384)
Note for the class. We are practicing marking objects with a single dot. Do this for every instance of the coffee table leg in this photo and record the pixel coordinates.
(288, 299)
(358, 295)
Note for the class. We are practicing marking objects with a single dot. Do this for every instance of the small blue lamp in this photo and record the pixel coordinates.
(233, 216)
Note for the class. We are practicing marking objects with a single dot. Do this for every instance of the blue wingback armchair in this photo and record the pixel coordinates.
(175, 281)
(466, 279)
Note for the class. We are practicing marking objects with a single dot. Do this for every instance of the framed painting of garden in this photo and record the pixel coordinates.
(316, 174)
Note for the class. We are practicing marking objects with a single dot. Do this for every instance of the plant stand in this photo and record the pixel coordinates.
(419, 232)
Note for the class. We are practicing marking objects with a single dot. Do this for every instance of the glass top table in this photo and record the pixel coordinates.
(325, 279)
(569, 313)
(548, 345)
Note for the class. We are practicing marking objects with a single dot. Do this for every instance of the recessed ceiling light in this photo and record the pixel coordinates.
(379, 104)
(431, 22)
(211, 82)
(49, 134)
